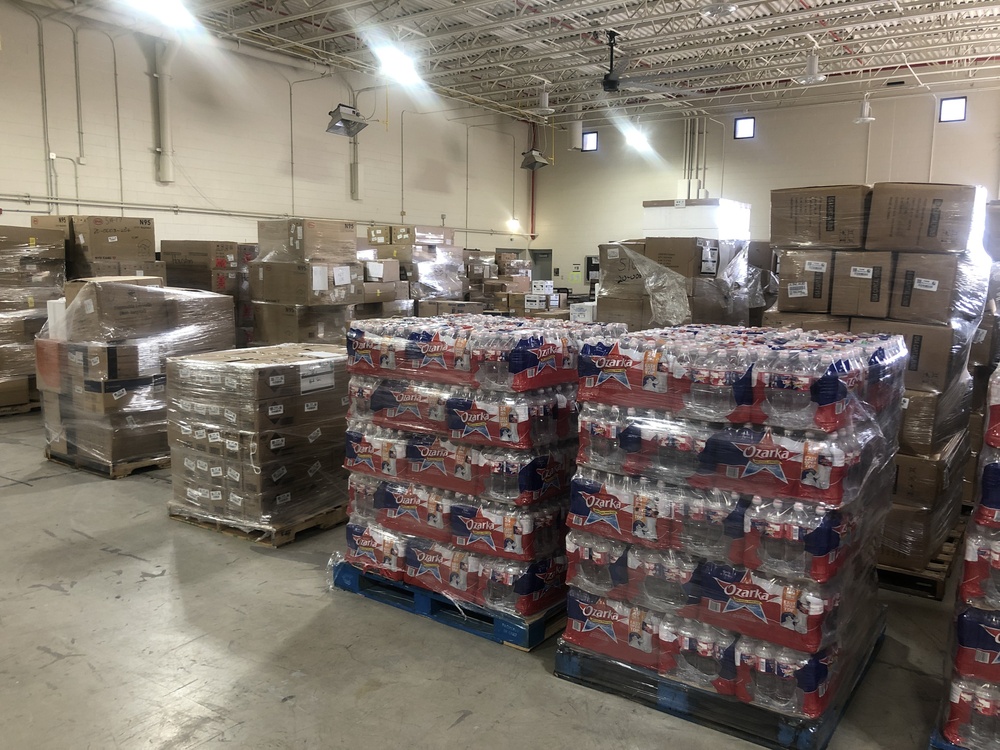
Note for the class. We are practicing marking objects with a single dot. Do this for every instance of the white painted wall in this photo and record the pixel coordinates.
(235, 123)
(588, 198)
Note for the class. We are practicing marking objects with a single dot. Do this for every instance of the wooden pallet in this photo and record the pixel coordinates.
(723, 713)
(270, 537)
(116, 470)
(521, 633)
(9, 411)
(932, 581)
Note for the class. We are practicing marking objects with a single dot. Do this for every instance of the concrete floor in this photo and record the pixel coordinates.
(122, 628)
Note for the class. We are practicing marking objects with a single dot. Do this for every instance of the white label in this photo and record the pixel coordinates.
(215, 495)
(312, 406)
(283, 498)
(541, 287)
(612, 253)
(112, 238)
(200, 434)
(816, 266)
(200, 409)
(88, 306)
(119, 394)
(321, 279)
(232, 446)
(231, 258)
(315, 435)
(535, 302)
(185, 404)
(75, 357)
(313, 379)
(235, 499)
(130, 421)
(277, 443)
(230, 416)
(314, 468)
(214, 437)
(233, 474)
(980, 336)
(376, 269)
(78, 389)
(186, 430)
(202, 465)
(230, 382)
(189, 464)
(341, 275)
(279, 474)
(860, 272)
(275, 411)
(798, 289)
(906, 403)
(95, 361)
(260, 273)
(276, 380)
(216, 471)
(680, 203)
(140, 273)
(925, 285)
(192, 494)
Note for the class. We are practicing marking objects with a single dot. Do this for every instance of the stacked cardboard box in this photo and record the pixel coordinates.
(202, 264)
(101, 365)
(95, 243)
(903, 258)
(245, 254)
(306, 279)
(32, 271)
(257, 436)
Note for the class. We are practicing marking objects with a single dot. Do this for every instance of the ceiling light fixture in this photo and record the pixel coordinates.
(543, 109)
(533, 160)
(866, 115)
(397, 65)
(513, 225)
(170, 13)
(811, 75)
(346, 120)
(636, 138)
(717, 10)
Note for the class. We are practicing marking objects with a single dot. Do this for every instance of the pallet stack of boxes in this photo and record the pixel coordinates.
(101, 367)
(256, 436)
(723, 535)
(246, 253)
(460, 448)
(32, 272)
(106, 245)
(431, 269)
(904, 259)
(305, 281)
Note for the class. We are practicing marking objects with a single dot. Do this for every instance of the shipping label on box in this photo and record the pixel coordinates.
(541, 287)
(536, 302)
(382, 270)
(804, 281)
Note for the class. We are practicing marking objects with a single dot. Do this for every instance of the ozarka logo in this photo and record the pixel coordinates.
(367, 546)
(614, 366)
(745, 594)
(433, 457)
(765, 456)
(551, 577)
(480, 529)
(408, 504)
(429, 562)
(364, 454)
(602, 508)
(433, 351)
(599, 618)
(362, 352)
(408, 402)
(550, 478)
(546, 354)
(475, 421)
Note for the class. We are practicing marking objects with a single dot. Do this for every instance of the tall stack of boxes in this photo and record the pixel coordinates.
(106, 245)
(906, 259)
(245, 254)
(101, 366)
(256, 435)
(32, 271)
(305, 281)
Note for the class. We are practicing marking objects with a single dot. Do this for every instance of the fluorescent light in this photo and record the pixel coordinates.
(636, 139)
(170, 13)
(513, 225)
(397, 65)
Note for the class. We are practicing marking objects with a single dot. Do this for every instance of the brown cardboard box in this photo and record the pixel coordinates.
(113, 361)
(201, 254)
(305, 283)
(977, 429)
(524, 304)
(380, 235)
(155, 268)
(450, 307)
(691, 257)
(380, 291)
(403, 235)
(114, 238)
(558, 300)
(225, 282)
(980, 387)
(831, 216)
(862, 283)
(931, 418)
(560, 314)
(401, 253)
(22, 326)
(922, 479)
(402, 290)
(281, 324)
(73, 288)
(515, 284)
(760, 254)
(984, 340)
(57, 223)
(116, 441)
(382, 270)
(619, 276)
(45, 243)
(937, 355)
(925, 289)
(119, 396)
(805, 280)
(15, 391)
(398, 308)
(300, 240)
(51, 365)
(635, 313)
(109, 268)
(921, 217)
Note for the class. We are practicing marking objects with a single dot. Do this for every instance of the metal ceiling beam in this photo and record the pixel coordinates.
(315, 11)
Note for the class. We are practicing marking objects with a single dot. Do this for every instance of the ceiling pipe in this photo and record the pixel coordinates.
(166, 53)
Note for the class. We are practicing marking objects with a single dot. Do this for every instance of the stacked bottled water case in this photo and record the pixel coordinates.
(725, 515)
(461, 443)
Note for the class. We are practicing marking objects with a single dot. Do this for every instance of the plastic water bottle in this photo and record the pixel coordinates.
(788, 399)
(708, 654)
(499, 590)
(643, 509)
(798, 523)
(983, 720)
(786, 664)
(994, 588)
(773, 537)
(764, 675)
(694, 528)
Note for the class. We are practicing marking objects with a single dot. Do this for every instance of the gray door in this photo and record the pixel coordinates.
(541, 261)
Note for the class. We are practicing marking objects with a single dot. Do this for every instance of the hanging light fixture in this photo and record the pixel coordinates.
(533, 160)
(811, 75)
(542, 109)
(346, 120)
(866, 115)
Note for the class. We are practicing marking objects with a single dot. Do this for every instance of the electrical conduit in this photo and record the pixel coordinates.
(166, 53)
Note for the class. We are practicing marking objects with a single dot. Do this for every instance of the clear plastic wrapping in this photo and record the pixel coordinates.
(913, 535)
(931, 418)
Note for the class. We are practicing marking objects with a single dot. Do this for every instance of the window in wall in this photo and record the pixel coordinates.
(745, 127)
(952, 110)
(590, 141)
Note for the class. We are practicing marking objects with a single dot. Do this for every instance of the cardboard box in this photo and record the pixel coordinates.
(22, 326)
(515, 284)
(310, 283)
(922, 479)
(541, 287)
(620, 278)
(73, 288)
(15, 391)
(926, 288)
(583, 312)
(226, 282)
(402, 290)
(155, 268)
(558, 301)
(282, 324)
(200, 254)
(380, 291)
(380, 235)
(561, 314)
(977, 429)
(56, 223)
(831, 216)
(113, 238)
(399, 308)
(403, 235)
(691, 257)
(401, 253)
(635, 313)
(862, 284)
(382, 270)
(922, 217)
(110, 442)
(931, 418)
(937, 354)
(805, 280)
(301, 240)
(99, 397)
(984, 340)
(113, 361)
(454, 307)
(760, 254)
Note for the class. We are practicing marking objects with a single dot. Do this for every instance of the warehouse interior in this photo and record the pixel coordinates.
(360, 181)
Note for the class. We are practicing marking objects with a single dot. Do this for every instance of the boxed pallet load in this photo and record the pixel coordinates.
(862, 284)
(256, 435)
(805, 280)
(911, 217)
(312, 283)
(301, 324)
(101, 365)
(93, 239)
(833, 216)
(331, 241)
(201, 264)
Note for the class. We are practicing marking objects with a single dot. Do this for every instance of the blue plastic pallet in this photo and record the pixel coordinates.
(524, 633)
(940, 743)
(721, 713)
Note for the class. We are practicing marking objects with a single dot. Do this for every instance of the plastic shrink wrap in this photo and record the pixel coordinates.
(101, 367)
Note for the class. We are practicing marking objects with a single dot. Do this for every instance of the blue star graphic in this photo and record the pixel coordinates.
(481, 428)
(363, 355)
(408, 408)
(610, 519)
(546, 360)
(407, 510)
(434, 569)
(482, 536)
(433, 463)
(621, 377)
(607, 628)
(368, 459)
(755, 609)
(770, 468)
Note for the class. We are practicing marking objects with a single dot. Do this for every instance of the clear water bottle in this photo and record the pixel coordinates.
(755, 519)
(707, 647)
(786, 665)
(499, 590)
(711, 394)
(983, 719)
(694, 527)
(597, 555)
(772, 543)
(798, 524)
(993, 589)
(644, 507)
(764, 676)
(718, 506)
